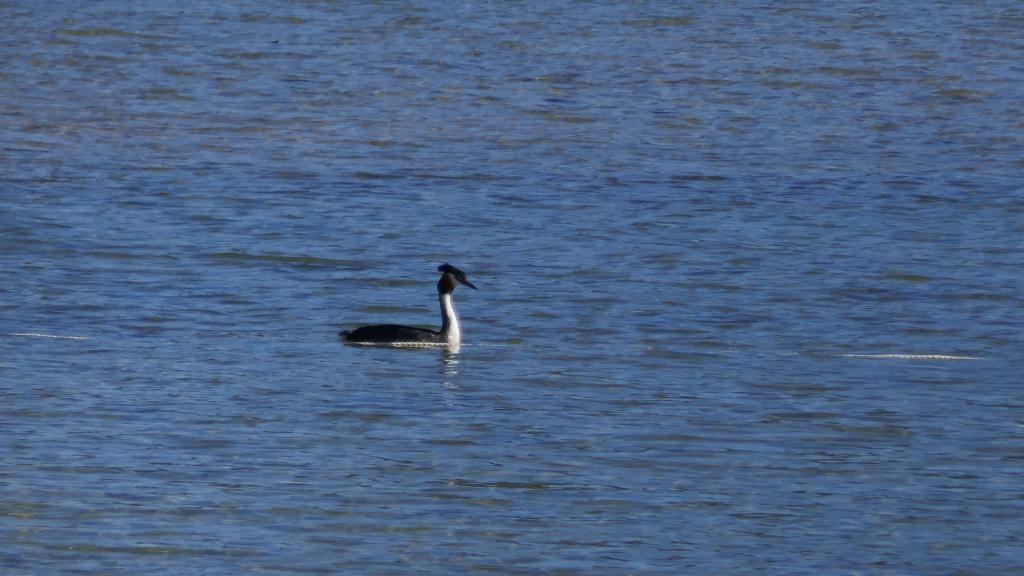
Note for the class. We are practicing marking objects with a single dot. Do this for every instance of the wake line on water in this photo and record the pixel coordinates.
(885, 356)
(39, 335)
(863, 356)
(912, 356)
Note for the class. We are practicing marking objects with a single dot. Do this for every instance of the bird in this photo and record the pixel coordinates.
(450, 333)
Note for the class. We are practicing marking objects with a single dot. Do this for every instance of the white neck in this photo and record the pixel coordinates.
(449, 321)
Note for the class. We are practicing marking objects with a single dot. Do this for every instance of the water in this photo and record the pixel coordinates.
(708, 241)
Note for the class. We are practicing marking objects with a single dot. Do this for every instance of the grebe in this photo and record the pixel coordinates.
(397, 335)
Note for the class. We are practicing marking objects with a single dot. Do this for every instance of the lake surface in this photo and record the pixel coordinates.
(750, 288)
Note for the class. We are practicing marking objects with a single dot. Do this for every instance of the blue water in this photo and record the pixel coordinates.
(750, 288)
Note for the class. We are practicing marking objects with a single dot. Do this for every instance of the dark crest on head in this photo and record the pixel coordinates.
(455, 274)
